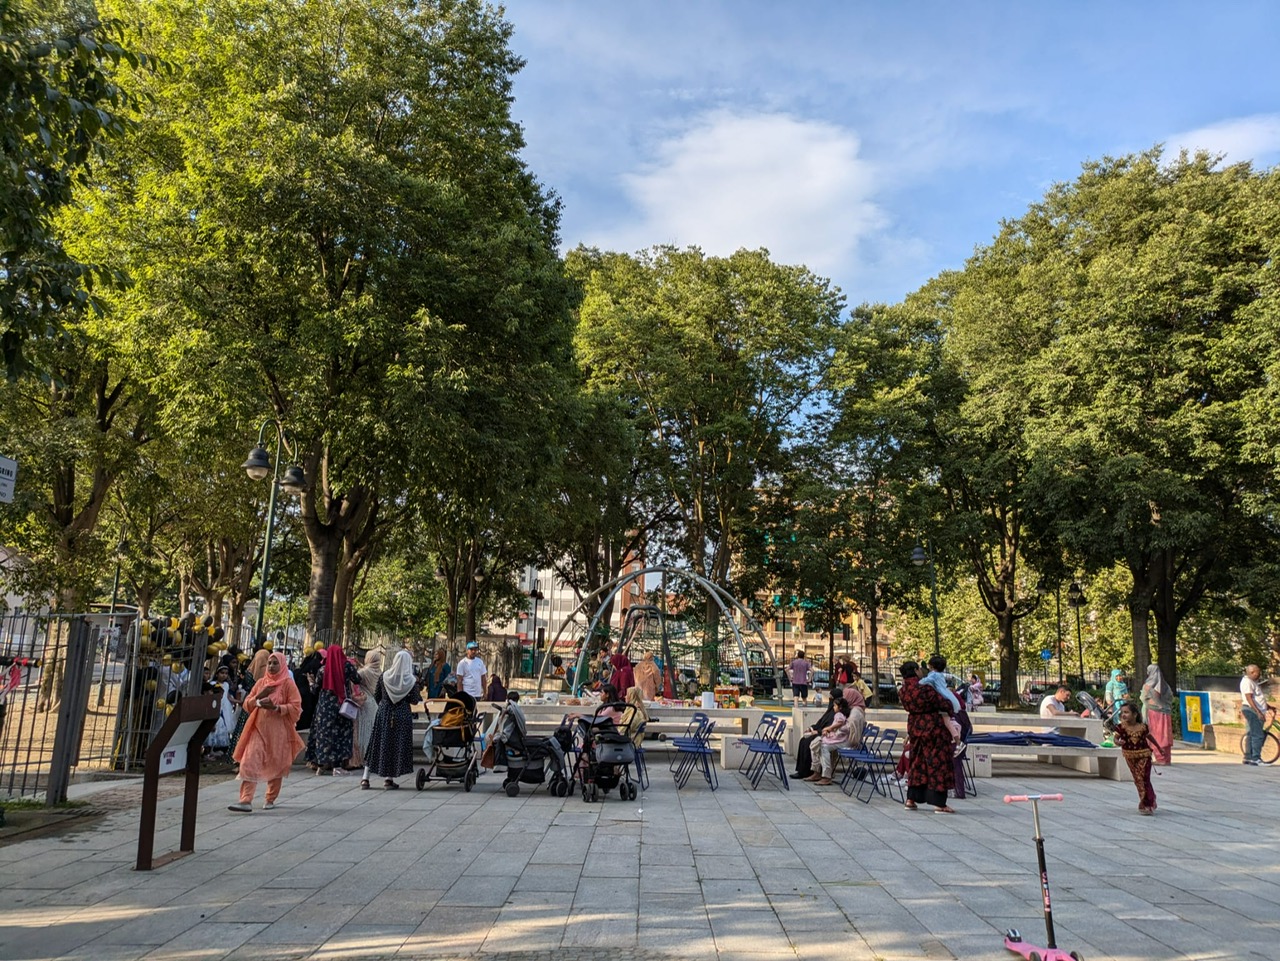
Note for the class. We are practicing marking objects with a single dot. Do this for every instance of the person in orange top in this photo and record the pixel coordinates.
(270, 741)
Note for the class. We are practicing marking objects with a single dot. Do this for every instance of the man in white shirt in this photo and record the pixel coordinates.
(471, 672)
(1055, 704)
(1257, 715)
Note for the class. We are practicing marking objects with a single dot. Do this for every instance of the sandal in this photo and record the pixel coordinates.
(824, 782)
(364, 785)
(910, 805)
(391, 786)
(945, 809)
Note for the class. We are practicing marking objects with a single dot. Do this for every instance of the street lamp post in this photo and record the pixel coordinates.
(258, 465)
(535, 595)
(918, 557)
(1076, 599)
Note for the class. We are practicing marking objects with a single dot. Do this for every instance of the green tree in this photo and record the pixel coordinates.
(716, 357)
(1154, 266)
(59, 105)
(326, 210)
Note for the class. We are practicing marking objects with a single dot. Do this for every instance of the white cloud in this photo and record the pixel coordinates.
(1253, 138)
(733, 180)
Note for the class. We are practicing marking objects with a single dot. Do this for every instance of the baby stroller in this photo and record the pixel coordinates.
(529, 760)
(450, 743)
(1095, 709)
(605, 754)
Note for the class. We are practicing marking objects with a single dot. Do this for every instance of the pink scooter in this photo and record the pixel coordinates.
(1012, 939)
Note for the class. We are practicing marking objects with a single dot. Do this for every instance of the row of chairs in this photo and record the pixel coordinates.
(868, 770)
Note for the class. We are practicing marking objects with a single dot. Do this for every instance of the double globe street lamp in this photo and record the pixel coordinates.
(258, 465)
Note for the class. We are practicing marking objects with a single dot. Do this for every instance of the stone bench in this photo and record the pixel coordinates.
(1103, 762)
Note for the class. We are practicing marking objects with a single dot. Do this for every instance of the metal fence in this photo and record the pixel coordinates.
(83, 694)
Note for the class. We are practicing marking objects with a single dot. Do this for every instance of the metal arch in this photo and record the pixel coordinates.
(712, 590)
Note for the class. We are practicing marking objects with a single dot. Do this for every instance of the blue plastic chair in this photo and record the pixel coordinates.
(763, 732)
(693, 731)
(765, 755)
(881, 769)
(696, 753)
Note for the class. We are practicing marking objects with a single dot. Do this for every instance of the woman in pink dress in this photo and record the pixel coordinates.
(270, 741)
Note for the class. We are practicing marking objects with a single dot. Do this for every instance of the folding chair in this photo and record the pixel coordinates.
(694, 753)
(854, 757)
(642, 769)
(881, 771)
(766, 755)
(693, 731)
(762, 732)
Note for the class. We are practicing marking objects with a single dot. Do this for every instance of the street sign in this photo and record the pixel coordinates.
(1046, 655)
(8, 477)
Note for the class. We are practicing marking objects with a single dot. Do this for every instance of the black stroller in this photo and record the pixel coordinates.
(604, 755)
(529, 760)
(450, 744)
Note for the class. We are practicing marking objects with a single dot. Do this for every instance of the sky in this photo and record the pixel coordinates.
(875, 143)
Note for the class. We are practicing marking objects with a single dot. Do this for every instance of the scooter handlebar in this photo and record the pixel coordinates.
(1010, 798)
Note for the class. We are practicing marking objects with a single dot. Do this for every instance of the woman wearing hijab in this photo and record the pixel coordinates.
(857, 703)
(370, 674)
(1157, 710)
(329, 746)
(305, 678)
(496, 691)
(623, 677)
(437, 671)
(251, 675)
(931, 771)
(1117, 692)
(270, 741)
(258, 666)
(648, 677)
(390, 752)
(634, 715)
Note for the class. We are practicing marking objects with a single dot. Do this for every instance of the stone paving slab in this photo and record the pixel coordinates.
(339, 873)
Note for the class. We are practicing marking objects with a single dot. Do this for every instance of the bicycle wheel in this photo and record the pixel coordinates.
(1270, 749)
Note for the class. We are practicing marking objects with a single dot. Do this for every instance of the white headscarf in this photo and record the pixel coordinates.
(398, 680)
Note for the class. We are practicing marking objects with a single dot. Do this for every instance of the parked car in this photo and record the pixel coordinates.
(821, 680)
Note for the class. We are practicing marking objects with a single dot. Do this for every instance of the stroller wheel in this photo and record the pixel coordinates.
(631, 792)
(595, 793)
(469, 780)
(512, 788)
(560, 788)
(422, 778)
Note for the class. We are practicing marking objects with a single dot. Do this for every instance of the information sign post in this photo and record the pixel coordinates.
(175, 747)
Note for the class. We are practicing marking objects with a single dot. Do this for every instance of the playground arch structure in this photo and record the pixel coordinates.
(681, 641)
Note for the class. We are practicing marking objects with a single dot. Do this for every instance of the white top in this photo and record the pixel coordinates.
(1249, 686)
(1051, 706)
(471, 672)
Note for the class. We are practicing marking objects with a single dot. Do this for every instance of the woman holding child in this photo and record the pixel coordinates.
(932, 770)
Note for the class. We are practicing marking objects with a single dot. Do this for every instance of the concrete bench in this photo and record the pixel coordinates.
(1104, 762)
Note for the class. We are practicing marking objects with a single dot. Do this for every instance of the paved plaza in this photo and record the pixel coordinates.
(336, 872)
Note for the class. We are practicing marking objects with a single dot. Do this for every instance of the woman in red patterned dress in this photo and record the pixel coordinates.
(932, 770)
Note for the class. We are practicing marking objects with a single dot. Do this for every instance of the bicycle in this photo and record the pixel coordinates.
(1270, 741)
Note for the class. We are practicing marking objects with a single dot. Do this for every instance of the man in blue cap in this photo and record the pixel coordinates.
(472, 674)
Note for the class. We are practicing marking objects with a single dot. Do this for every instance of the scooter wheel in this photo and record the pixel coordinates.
(512, 789)
(1033, 956)
(422, 778)
(1077, 956)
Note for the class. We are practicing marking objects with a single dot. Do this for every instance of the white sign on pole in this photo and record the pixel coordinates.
(8, 477)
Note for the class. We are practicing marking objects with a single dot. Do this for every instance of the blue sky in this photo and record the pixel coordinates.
(876, 143)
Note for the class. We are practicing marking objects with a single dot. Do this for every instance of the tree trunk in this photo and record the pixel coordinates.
(1010, 694)
(325, 545)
